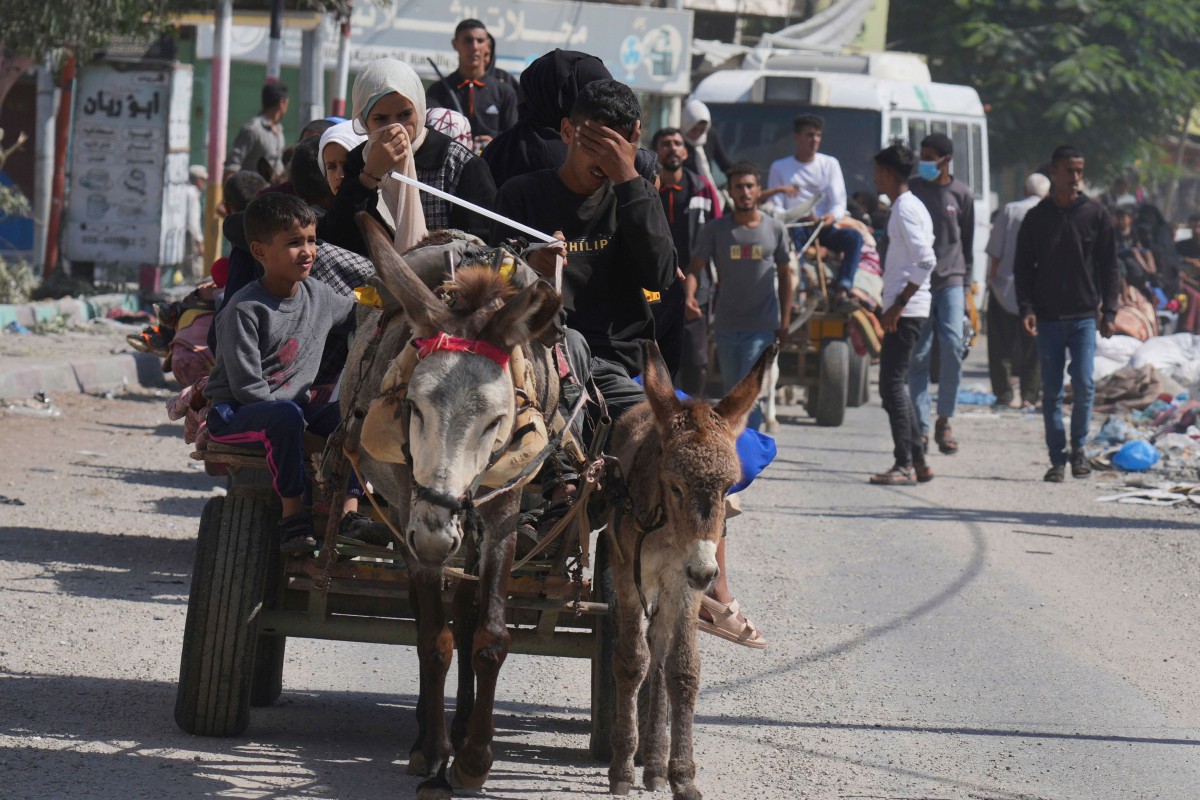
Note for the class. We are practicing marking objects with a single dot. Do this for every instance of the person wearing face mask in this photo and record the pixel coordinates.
(951, 205)
(389, 109)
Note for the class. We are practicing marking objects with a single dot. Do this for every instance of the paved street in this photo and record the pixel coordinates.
(983, 636)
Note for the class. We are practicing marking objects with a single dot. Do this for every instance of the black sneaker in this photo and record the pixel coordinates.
(359, 526)
(296, 534)
(1080, 466)
(1055, 474)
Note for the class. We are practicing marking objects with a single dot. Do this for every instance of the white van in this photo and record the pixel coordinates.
(752, 111)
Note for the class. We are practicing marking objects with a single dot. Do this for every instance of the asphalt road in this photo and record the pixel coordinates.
(982, 636)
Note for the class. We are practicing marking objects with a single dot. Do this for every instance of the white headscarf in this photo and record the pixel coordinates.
(399, 203)
(694, 112)
(451, 123)
(343, 133)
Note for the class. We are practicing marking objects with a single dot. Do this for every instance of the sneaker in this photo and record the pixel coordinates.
(1080, 466)
(359, 526)
(296, 534)
(1055, 474)
(896, 476)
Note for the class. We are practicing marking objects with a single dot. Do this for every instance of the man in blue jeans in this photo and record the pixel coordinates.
(951, 206)
(754, 282)
(1066, 269)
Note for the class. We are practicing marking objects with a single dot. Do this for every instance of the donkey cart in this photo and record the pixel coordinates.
(247, 599)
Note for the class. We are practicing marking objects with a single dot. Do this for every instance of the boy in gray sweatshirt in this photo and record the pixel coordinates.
(270, 339)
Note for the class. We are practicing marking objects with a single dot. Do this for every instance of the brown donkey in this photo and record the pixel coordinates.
(679, 461)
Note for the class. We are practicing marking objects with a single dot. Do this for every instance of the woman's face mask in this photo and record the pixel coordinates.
(929, 170)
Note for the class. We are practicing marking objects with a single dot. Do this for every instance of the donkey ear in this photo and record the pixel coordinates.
(735, 407)
(523, 317)
(657, 383)
(425, 311)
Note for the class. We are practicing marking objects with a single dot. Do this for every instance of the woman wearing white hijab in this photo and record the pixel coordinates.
(389, 108)
(335, 147)
(703, 144)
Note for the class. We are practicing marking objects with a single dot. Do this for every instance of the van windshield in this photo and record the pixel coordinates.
(763, 133)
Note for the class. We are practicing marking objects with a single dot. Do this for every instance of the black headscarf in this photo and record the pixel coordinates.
(549, 87)
(1154, 232)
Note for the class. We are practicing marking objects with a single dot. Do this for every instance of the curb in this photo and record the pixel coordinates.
(91, 376)
(72, 309)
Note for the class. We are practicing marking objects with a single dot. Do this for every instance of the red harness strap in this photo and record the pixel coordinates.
(444, 341)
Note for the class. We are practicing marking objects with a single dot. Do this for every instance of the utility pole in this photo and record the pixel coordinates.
(62, 131)
(275, 50)
(218, 123)
(342, 80)
(44, 173)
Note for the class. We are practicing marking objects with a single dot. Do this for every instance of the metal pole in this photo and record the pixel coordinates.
(62, 131)
(218, 122)
(44, 172)
(275, 50)
(342, 81)
(1169, 206)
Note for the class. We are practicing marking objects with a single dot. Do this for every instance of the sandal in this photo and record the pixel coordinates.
(150, 340)
(297, 534)
(726, 625)
(896, 476)
(944, 436)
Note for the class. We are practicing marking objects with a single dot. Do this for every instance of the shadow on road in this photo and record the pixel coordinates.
(104, 566)
(319, 745)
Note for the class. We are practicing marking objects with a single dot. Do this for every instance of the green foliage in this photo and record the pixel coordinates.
(17, 282)
(1111, 76)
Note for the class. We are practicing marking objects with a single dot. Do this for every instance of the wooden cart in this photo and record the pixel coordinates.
(247, 600)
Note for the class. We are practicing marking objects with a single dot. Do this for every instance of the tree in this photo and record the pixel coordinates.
(1111, 76)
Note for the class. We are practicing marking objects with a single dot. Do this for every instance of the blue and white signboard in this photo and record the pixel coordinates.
(647, 48)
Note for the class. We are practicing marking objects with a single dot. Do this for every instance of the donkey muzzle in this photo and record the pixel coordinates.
(434, 533)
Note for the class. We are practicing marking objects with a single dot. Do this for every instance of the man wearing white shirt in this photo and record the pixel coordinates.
(906, 271)
(796, 179)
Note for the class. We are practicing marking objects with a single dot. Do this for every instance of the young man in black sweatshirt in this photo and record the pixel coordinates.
(1066, 270)
(618, 247)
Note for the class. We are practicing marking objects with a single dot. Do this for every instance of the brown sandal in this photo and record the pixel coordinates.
(896, 476)
(726, 625)
(944, 436)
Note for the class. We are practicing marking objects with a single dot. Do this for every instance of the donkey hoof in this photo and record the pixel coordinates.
(620, 787)
(687, 793)
(460, 779)
(435, 788)
(417, 764)
(656, 783)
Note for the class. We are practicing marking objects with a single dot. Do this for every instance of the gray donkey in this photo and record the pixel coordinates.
(427, 454)
(679, 461)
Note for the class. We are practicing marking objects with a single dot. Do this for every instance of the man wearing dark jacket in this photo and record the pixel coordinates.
(951, 206)
(689, 201)
(615, 237)
(473, 89)
(1066, 269)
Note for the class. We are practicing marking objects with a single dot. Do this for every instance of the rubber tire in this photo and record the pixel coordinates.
(604, 685)
(267, 684)
(858, 390)
(217, 664)
(835, 368)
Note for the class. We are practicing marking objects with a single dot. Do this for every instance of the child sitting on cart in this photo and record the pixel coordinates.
(269, 345)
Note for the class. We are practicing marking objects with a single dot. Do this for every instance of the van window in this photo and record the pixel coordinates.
(762, 133)
(917, 130)
(977, 159)
(938, 126)
(963, 166)
(896, 131)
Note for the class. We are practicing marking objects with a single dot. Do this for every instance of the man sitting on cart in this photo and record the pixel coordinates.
(810, 178)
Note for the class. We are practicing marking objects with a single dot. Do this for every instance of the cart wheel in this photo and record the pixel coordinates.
(267, 684)
(604, 687)
(858, 390)
(219, 637)
(835, 368)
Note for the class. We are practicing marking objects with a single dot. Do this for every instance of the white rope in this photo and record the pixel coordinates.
(458, 201)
